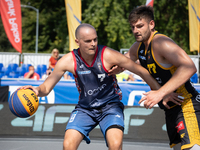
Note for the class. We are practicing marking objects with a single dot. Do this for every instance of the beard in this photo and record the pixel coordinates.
(143, 37)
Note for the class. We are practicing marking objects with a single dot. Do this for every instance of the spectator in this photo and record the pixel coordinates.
(31, 74)
(122, 77)
(48, 72)
(54, 58)
(128, 76)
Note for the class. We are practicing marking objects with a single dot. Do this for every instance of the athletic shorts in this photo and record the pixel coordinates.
(183, 123)
(84, 120)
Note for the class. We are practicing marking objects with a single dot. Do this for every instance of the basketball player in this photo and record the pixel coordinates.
(172, 68)
(100, 95)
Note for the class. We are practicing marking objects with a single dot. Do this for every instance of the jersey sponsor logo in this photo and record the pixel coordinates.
(99, 65)
(142, 57)
(198, 98)
(84, 72)
(182, 135)
(141, 51)
(159, 80)
(180, 126)
(81, 66)
(91, 92)
(101, 77)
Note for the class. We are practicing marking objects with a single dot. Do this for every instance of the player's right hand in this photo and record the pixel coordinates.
(34, 89)
(115, 70)
(176, 98)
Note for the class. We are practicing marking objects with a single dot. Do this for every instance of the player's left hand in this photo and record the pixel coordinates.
(176, 98)
(152, 98)
(115, 70)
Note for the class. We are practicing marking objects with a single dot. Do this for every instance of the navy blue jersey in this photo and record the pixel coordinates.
(95, 87)
(160, 73)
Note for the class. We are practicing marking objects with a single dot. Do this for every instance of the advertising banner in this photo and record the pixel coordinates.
(65, 92)
(73, 10)
(141, 124)
(149, 3)
(11, 17)
(194, 24)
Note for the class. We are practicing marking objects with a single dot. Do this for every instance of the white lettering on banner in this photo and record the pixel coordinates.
(49, 99)
(14, 29)
(128, 112)
(11, 11)
(1, 106)
(133, 95)
(14, 26)
(45, 120)
(42, 119)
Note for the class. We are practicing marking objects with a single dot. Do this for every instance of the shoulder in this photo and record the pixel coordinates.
(51, 58)
(132, 53)
(133, 49)
(109, 52)
(67, 57)
(162, 39)
(66, 63)
(25, 74)
(135, 46)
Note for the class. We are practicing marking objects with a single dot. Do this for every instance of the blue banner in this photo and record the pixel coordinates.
(65, 92)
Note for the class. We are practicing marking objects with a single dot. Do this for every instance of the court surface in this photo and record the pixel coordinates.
(22, 143)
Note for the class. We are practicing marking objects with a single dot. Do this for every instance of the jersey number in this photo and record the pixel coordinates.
(151, 68)
(101, 77)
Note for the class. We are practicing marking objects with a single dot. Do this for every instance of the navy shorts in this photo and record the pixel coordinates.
(84, 120)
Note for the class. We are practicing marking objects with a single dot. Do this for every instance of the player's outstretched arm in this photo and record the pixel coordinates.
(113, 57)
(64, 64)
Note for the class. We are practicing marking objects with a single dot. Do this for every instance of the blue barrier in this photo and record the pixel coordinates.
(65, 92)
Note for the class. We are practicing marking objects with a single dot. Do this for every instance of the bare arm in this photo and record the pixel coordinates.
(112, 57)
(130, 54)
(166, 51)
(64, 64)
(175, 55)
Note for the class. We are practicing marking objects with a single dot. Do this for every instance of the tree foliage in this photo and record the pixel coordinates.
(109, 17)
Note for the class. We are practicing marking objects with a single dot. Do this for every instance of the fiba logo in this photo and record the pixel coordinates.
(198, 98)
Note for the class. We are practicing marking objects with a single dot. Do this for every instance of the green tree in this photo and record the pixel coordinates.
(52, 25)
(5, 45)
(109, 17)
(110, 20)
(171, 18)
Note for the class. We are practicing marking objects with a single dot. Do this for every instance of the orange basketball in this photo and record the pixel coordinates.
(23, 103)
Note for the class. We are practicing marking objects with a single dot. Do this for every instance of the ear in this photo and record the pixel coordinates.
(152, 24)
(77, 42)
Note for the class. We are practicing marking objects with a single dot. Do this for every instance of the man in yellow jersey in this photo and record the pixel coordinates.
(172, 68)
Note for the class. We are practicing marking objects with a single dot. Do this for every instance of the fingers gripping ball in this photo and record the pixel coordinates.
(23, 103)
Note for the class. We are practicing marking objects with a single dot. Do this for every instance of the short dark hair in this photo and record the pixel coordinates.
(141, 12)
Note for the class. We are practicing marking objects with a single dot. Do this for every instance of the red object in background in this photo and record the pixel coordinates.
(11, 17)
(149, 3)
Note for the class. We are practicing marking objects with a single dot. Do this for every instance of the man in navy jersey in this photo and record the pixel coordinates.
(172, 68)
(99, 99)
